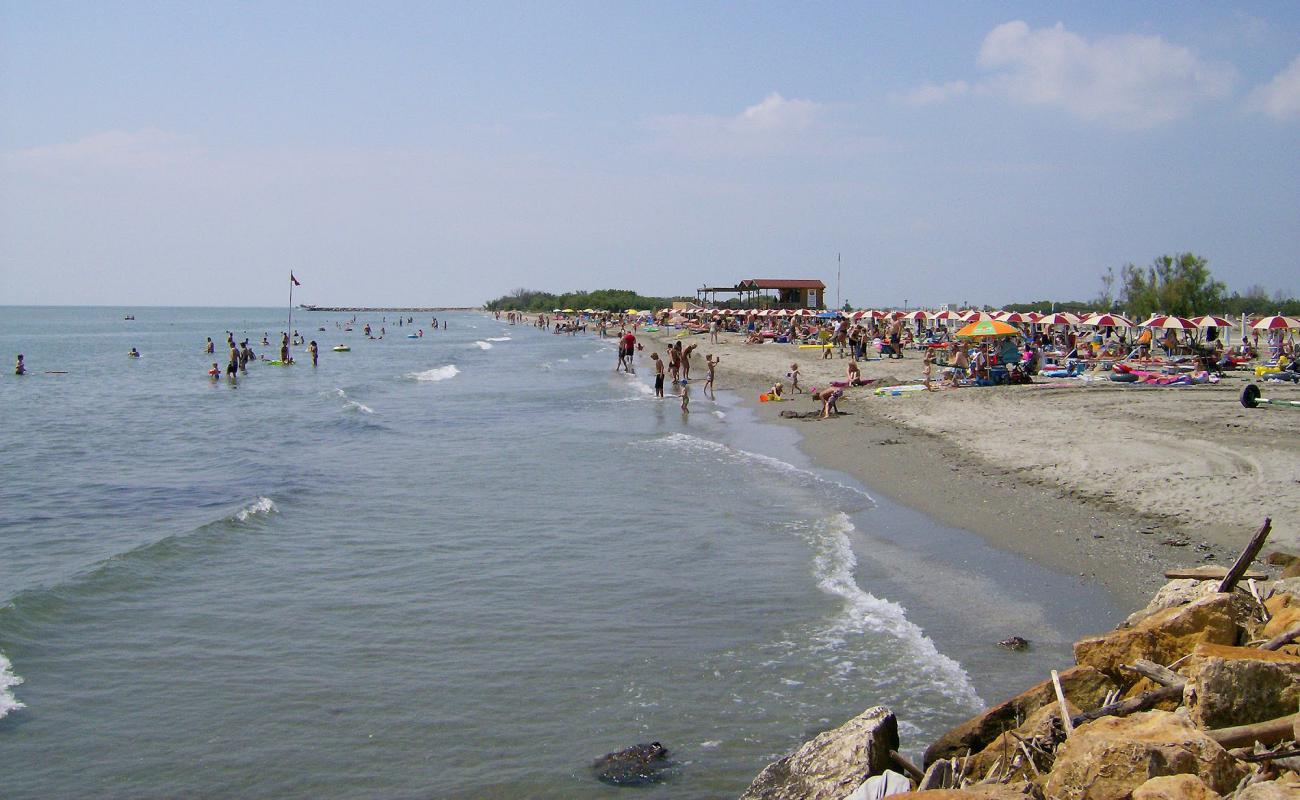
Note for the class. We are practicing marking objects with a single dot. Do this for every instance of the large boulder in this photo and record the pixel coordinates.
(1284, 614)
(1178, 592)
(1167, 635)
(632, 766)
(1111, 757)
(1228, 686)
(1175, 787)
(1085, 687)
(833, 763)
(1285, 788)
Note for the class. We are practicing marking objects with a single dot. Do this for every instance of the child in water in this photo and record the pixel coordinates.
(712, 363)
(19, 367)
(134, 353)
(215, 372)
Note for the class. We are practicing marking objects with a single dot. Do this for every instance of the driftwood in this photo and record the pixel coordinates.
(940, 775)
(1209, 573)
(913, 771)
(1066, 722)
(1132, 705)
(1282, 639)
(1161, 675)
(1246, 754)
(1270, 732)
(1247, 556)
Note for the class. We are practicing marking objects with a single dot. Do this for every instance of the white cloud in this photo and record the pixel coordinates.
(114, 150)
(929, 94)
(771, 125)
(1280, 97)
(1127, 81)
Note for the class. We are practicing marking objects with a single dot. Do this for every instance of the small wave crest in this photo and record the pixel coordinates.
(482, 345)
(259, 507)
(499, 338)
(435, 374)
(355, 406)
(8, 680)
(834, 565)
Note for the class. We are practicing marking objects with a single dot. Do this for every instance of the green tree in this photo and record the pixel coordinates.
(1179, 284)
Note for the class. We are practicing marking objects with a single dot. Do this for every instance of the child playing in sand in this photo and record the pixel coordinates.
(775, 391)
(793, 375)
(928, 361)
(713, 363)
(659, 374)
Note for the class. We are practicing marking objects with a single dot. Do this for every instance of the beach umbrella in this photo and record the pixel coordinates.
(986, 328)
(1010, 316)
(1276, 322)
(1168, 322)
(977, 316)
(915, 315)
(1107, 321)
(631, 311)
(945, 315)
(1032, 316)
(568, 311)
(1209, 321)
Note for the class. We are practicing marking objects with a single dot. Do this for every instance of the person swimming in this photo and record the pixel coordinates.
(134, 353)
(19, 367)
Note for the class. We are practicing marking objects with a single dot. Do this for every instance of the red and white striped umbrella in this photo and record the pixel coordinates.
(915, 315)
(1011, 317)
(977, 316)
(1209, 321)
(1168, 322)
(1276, 322)
(945, 315)
(1032, 317)
(1060, 318)
(1107, 321)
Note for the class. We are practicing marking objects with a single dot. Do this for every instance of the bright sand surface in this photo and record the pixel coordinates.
(1110, 482)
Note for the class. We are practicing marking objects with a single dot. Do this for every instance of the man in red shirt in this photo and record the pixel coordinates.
(626, 349)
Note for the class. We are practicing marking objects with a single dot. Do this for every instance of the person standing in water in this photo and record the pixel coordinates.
(659, 374)
(134, 353)
(284, 348)
(232, 366)
(211, 348)
(19, 367)
(314, 350)
(708, 382)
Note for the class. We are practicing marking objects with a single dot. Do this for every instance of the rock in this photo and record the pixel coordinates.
(1280, 789)
(632, 766)
(1085, 687)
(1291, 570)
(1109, 758)
(1175, 593)
(1284, 611)
(1280, 559)
(1229, 686)
(1014, 643)
(1167, 635)
(1014, 791)
(1175, 787)
(833, 763)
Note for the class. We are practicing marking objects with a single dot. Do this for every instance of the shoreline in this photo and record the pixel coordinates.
(1054, 518)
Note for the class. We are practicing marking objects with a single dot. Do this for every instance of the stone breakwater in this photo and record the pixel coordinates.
(1194, 696)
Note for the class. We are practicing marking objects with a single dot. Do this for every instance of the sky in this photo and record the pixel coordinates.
(430, 154)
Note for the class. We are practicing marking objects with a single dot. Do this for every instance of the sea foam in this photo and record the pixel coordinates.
(8, 680)
(260, 507)
(435, 374)
(687, 442)
(863, 613)
(498, 338)
(482, 345)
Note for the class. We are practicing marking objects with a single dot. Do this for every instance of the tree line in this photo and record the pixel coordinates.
(535, 301)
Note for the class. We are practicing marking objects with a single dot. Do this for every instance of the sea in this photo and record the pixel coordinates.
(462, 563)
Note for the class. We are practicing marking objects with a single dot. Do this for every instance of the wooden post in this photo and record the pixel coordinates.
(1247, 556)
(1065, 710)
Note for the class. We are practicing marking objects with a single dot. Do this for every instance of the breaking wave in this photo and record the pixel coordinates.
(482, 345)
(435, 374)
(8, 680)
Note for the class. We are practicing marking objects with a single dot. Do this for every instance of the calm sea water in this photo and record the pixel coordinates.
(463, 565)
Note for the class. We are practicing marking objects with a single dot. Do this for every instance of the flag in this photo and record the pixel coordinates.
(296, 282)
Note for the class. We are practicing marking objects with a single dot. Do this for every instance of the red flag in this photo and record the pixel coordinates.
(296, 282)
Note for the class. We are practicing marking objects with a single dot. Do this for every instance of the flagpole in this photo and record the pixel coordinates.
(290, 331)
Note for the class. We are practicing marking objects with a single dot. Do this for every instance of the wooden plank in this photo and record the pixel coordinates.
(1211, 572)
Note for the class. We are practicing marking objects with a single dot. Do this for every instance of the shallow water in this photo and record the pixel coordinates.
(462, 565)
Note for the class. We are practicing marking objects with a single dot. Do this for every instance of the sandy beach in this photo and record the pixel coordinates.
(1113, 483)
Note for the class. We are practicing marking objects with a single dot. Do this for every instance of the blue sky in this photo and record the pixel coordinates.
(429, 153)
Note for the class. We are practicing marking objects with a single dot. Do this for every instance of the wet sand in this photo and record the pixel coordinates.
(1110, 483)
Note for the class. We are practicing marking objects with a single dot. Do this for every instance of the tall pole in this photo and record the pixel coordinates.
(290, 331)
(838, 272)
